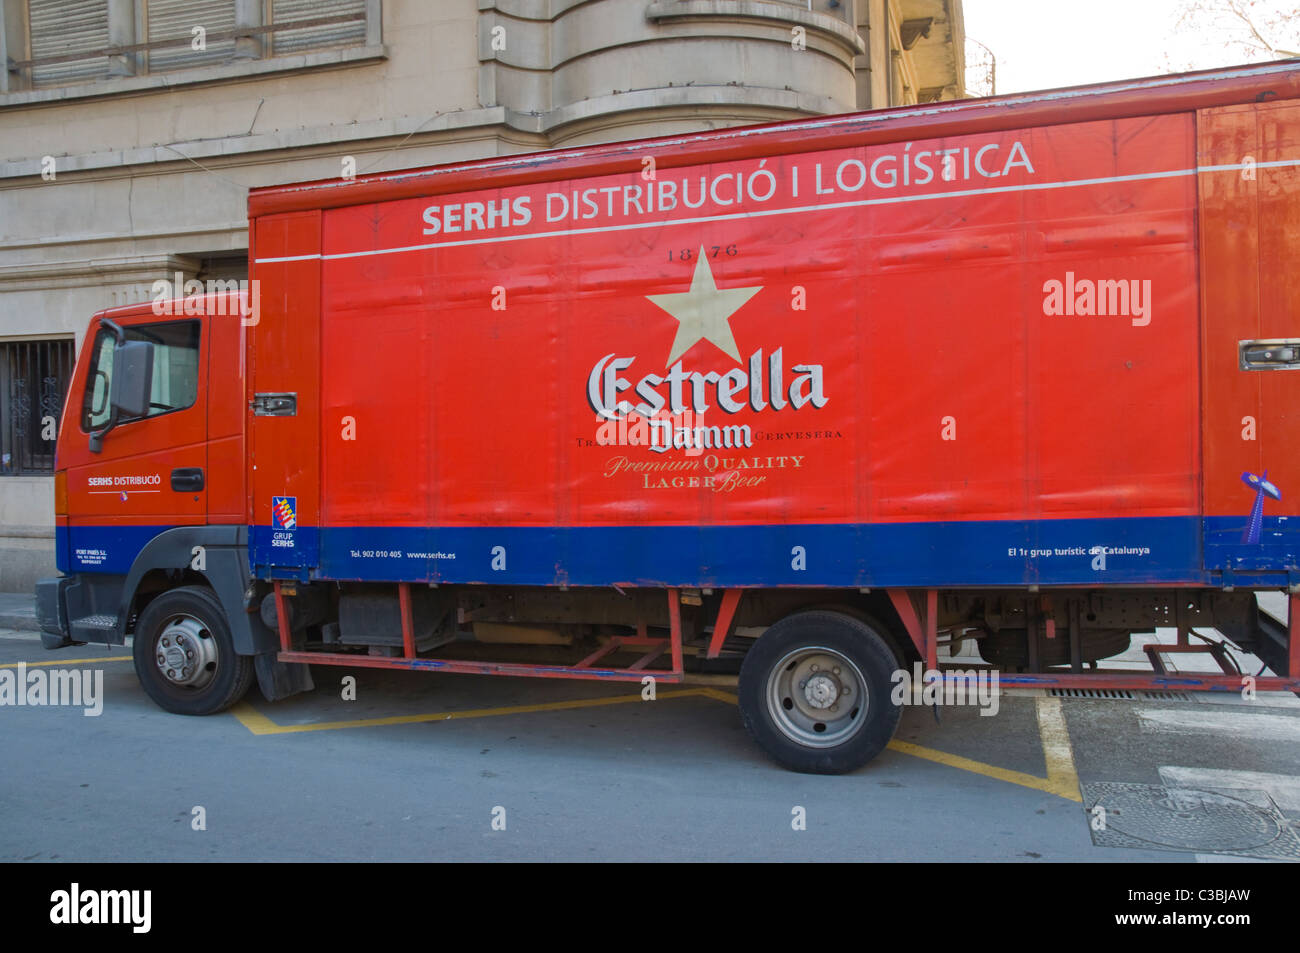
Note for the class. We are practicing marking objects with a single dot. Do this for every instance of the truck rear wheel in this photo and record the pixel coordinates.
(815, 692)
(185, 657)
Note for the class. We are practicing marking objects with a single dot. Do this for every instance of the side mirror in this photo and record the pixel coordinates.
(130, 387)
(132, 382)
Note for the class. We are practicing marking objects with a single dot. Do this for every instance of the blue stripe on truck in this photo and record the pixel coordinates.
(878, 555)
(1147, 550)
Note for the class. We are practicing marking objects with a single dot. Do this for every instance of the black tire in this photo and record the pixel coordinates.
(780, 711)
(191, 621)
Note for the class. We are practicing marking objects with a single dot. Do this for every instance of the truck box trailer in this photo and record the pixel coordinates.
(820, 397)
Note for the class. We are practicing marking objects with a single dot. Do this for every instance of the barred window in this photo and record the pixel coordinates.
(34, 378)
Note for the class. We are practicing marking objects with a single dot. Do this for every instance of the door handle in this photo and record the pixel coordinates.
(275, 405)
(187, 479)
(1273, 354)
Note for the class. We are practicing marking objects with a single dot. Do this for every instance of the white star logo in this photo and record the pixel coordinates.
(704, 312)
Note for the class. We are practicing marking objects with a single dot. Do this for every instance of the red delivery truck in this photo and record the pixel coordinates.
(815, 398)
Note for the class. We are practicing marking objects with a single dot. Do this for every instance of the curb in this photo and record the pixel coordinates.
(18, 611)
(19, 621)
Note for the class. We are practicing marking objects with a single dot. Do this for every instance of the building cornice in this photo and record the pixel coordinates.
(35, 276)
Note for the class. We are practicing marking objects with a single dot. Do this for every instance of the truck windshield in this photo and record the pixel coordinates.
(175, 370)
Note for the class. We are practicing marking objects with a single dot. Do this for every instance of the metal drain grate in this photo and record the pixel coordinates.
(1091, 693)
(1121, 694)
(1232, 821)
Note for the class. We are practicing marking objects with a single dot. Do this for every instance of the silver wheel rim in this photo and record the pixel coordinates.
(185, 652)
(817, 697)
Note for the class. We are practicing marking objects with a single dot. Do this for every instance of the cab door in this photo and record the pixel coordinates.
(150, 473)
(1249, 178)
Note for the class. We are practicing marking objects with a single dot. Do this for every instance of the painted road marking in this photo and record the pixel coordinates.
(1284, 789)
(69, 661)
(1234, 724)
(1061, 780)
(259, 724)
(1048, 785)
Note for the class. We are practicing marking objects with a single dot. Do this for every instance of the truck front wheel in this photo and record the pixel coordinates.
(184, 655)
(815, 692)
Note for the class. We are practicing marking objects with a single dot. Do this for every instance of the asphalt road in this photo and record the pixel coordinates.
(420, 766)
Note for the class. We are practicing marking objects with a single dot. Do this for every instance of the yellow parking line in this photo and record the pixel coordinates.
(717, 695)
(69, 661)
(1061, 779)
(1057, 751)
(259, 724)
(1049, 785)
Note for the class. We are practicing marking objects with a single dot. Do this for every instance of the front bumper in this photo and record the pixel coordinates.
(52, 612)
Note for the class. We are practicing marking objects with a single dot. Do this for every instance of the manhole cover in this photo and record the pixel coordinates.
(1201, 820)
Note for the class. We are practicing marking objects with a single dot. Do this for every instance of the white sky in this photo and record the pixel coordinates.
(1040, 44)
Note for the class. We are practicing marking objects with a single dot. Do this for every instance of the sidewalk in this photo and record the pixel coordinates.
(18, 611)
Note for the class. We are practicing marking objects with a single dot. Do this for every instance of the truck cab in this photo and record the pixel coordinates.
(149, 494)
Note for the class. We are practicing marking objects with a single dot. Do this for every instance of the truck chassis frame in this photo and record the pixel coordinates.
(921, 623)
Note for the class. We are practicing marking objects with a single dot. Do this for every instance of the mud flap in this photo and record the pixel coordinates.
(279, 679)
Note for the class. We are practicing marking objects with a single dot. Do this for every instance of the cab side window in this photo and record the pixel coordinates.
(175, 370)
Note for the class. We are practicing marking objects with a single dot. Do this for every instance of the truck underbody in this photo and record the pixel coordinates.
(1054, 637)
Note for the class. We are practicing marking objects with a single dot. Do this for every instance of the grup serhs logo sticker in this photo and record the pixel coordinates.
(284, 512)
